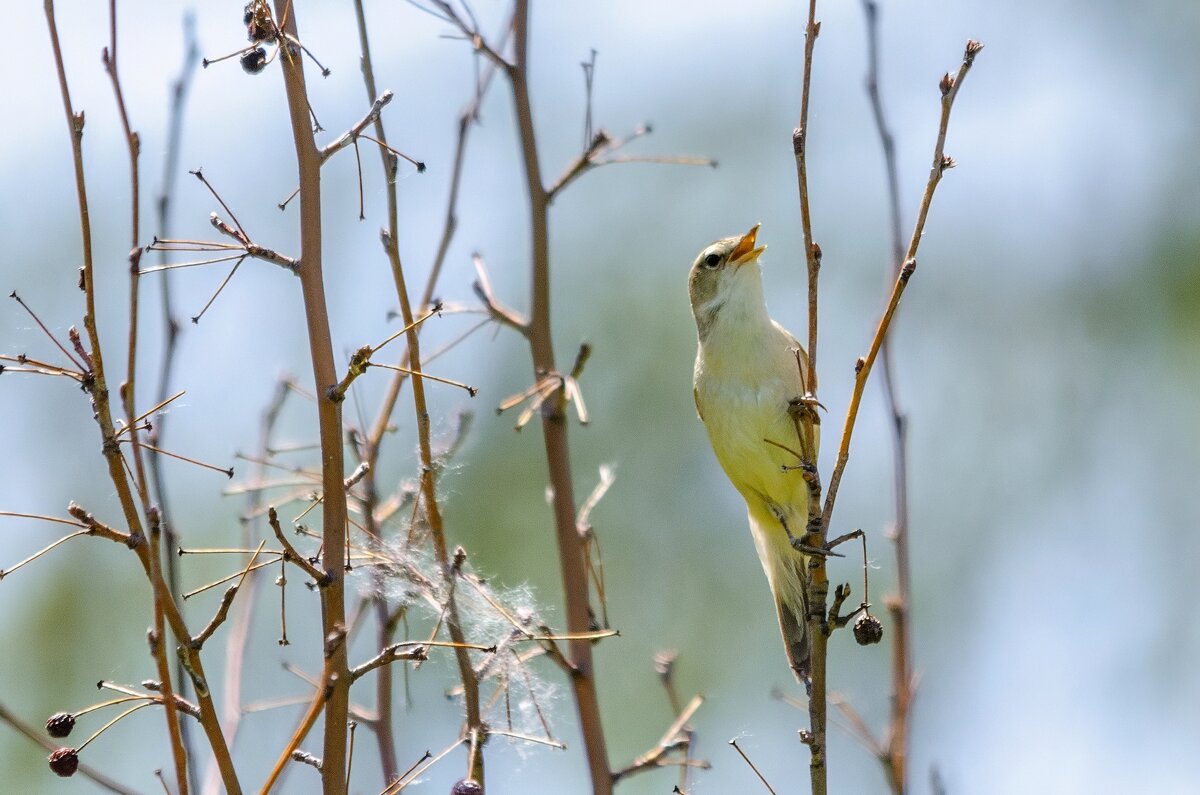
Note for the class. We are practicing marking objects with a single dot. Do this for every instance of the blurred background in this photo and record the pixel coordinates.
(1046, 351)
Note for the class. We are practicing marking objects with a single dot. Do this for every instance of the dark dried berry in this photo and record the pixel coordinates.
(254, 61)
(257, 32)
(60, 724)
(868, 630)
(468, 786)
(257, 20)
(64, 762)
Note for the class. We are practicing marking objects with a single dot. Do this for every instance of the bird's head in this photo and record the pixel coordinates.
(725, 273)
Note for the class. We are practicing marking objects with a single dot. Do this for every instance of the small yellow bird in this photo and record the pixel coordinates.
(750, 373)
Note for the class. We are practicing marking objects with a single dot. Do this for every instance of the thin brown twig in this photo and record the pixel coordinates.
(42, 517)
(418, 769)
(128, 390)
(239, 631)
(350, 136)
(857, 728)
(6, 572)
(950, 85)
(496, 310)
(158, 647)
(410, 650)
(246, 247)
(894, 759)
(317, 704)
(554, 428)
(468, 116)
(292, 554)
(226, 602)
(241, 234)
(673, 739)
(745, 758)
(470, 390)
(527, 738)
(81, 367)
(473, 35)
(227, 578)
(391, 244)
(812, 252)
(103, 415)
(171, 326)
(226, 471)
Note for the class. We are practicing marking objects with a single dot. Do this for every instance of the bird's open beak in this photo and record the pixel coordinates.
(745, 251)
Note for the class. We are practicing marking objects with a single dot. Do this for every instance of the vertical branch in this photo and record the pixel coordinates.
(103, 413)
(128, 388)
(468, 117)
(812, 252)
(329, 415)
(818, 578)
(949, 86)
(243, 608)
(554, 428)
(433, 512)
(895, 763)
(179, 90)
(128, 393)
(158, 650)
(428, 471)
(383, 730)
(387, 625)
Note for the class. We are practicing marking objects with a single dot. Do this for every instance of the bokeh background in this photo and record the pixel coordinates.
(1046, 351)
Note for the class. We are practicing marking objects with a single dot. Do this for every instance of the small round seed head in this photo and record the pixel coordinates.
(60, 724)
(468, 786)
(254, 61)
(64, 762)
(867, 630)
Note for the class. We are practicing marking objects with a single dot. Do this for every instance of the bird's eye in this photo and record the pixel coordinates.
(712, 261)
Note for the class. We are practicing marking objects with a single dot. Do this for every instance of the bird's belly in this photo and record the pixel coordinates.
(742, 421)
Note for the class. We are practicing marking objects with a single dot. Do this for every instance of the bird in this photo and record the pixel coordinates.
(749, 386)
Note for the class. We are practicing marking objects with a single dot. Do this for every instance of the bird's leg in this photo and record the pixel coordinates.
(803, 412)
(799, 544)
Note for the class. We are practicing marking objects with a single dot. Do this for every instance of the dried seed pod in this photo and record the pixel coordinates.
(467, 786)
(60, 724)
(868, 630)
(254, 61)
(64, 762)
(257, 19)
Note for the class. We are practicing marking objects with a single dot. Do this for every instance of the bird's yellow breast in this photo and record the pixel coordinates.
(743, 386)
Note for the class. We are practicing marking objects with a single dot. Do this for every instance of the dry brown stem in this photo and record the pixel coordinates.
(103, 413)
(894, 756)
(428, 486)
(554, 428)
(329, 415)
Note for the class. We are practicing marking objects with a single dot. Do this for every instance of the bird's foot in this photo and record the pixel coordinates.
(807, 470)
(804, 407)
(822, 550)
(803, 543)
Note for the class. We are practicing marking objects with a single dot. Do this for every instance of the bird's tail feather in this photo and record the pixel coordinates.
(787, 573)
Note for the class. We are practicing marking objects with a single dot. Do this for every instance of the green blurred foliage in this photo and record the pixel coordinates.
(1046, 352)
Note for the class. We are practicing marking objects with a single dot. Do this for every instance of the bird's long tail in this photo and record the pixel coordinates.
(787, 573)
